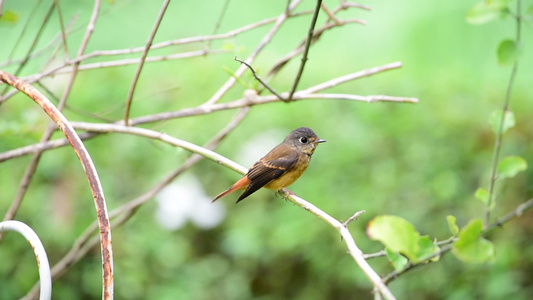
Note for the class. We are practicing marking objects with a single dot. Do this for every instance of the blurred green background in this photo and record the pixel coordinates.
(419, 161)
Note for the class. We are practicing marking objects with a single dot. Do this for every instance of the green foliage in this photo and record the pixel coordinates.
(471, 246)
(454, 229)
(487, 11)
(9, 16)
(508, 52)
(419, 161)
(510, 166)
(483, 195)
(400, 236)
(495, 119)
(397, 260)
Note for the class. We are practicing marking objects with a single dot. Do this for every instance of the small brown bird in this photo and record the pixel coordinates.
(280, 167)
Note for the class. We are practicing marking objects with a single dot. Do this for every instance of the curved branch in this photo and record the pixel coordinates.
(39, 251)
(90, 171)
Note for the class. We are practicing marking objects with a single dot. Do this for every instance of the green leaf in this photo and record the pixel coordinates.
(497, 4)
(507, 52)
(482, 13)
(495, 119)
(397, 260)
(9, 16)
(426, 247)
(396, 234)
(510, 166)
(471, 246)
(483, 196)
(454, 229)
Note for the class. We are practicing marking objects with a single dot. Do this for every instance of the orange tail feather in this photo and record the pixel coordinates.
(239, 185)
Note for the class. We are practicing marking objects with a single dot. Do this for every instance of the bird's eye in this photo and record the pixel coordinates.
(303, 140)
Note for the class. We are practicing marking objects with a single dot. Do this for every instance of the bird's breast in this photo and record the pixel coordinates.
(291, 175)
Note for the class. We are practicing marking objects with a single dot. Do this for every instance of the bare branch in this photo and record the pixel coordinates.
(259, 79)
(34, 42)
(354, 251)
(354, 217)
(266, 39)
(306, 51)
(143, 58)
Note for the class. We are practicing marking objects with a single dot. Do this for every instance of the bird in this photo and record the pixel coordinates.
(281, 167)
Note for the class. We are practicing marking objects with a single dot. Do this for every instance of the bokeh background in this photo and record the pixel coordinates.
(419, 161)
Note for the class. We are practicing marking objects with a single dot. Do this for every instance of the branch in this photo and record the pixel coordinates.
(143, 58)
(266, 39)
(354, 217)
(259, 79)
(90, 170)
(239, 103)
(306, 50)
(40, 254)
(354, 251)
(499, 136)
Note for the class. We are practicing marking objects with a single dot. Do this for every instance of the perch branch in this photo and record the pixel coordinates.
(354, 250)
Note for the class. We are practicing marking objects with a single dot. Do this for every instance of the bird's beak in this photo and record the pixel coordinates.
(320, 141)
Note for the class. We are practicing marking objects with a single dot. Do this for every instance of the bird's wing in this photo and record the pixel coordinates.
(272, 166)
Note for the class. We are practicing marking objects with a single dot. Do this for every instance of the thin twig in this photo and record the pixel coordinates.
(259, 79)
(217, 24)
(306, 51)
(520, 209)
(129, 61)
(63, 32)
(34, 43)
(331, 15)
(354, 217)
(141, 61)
(22, 33)
(266, 39)
(374, 255)
(499, 136)
(300, 48)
